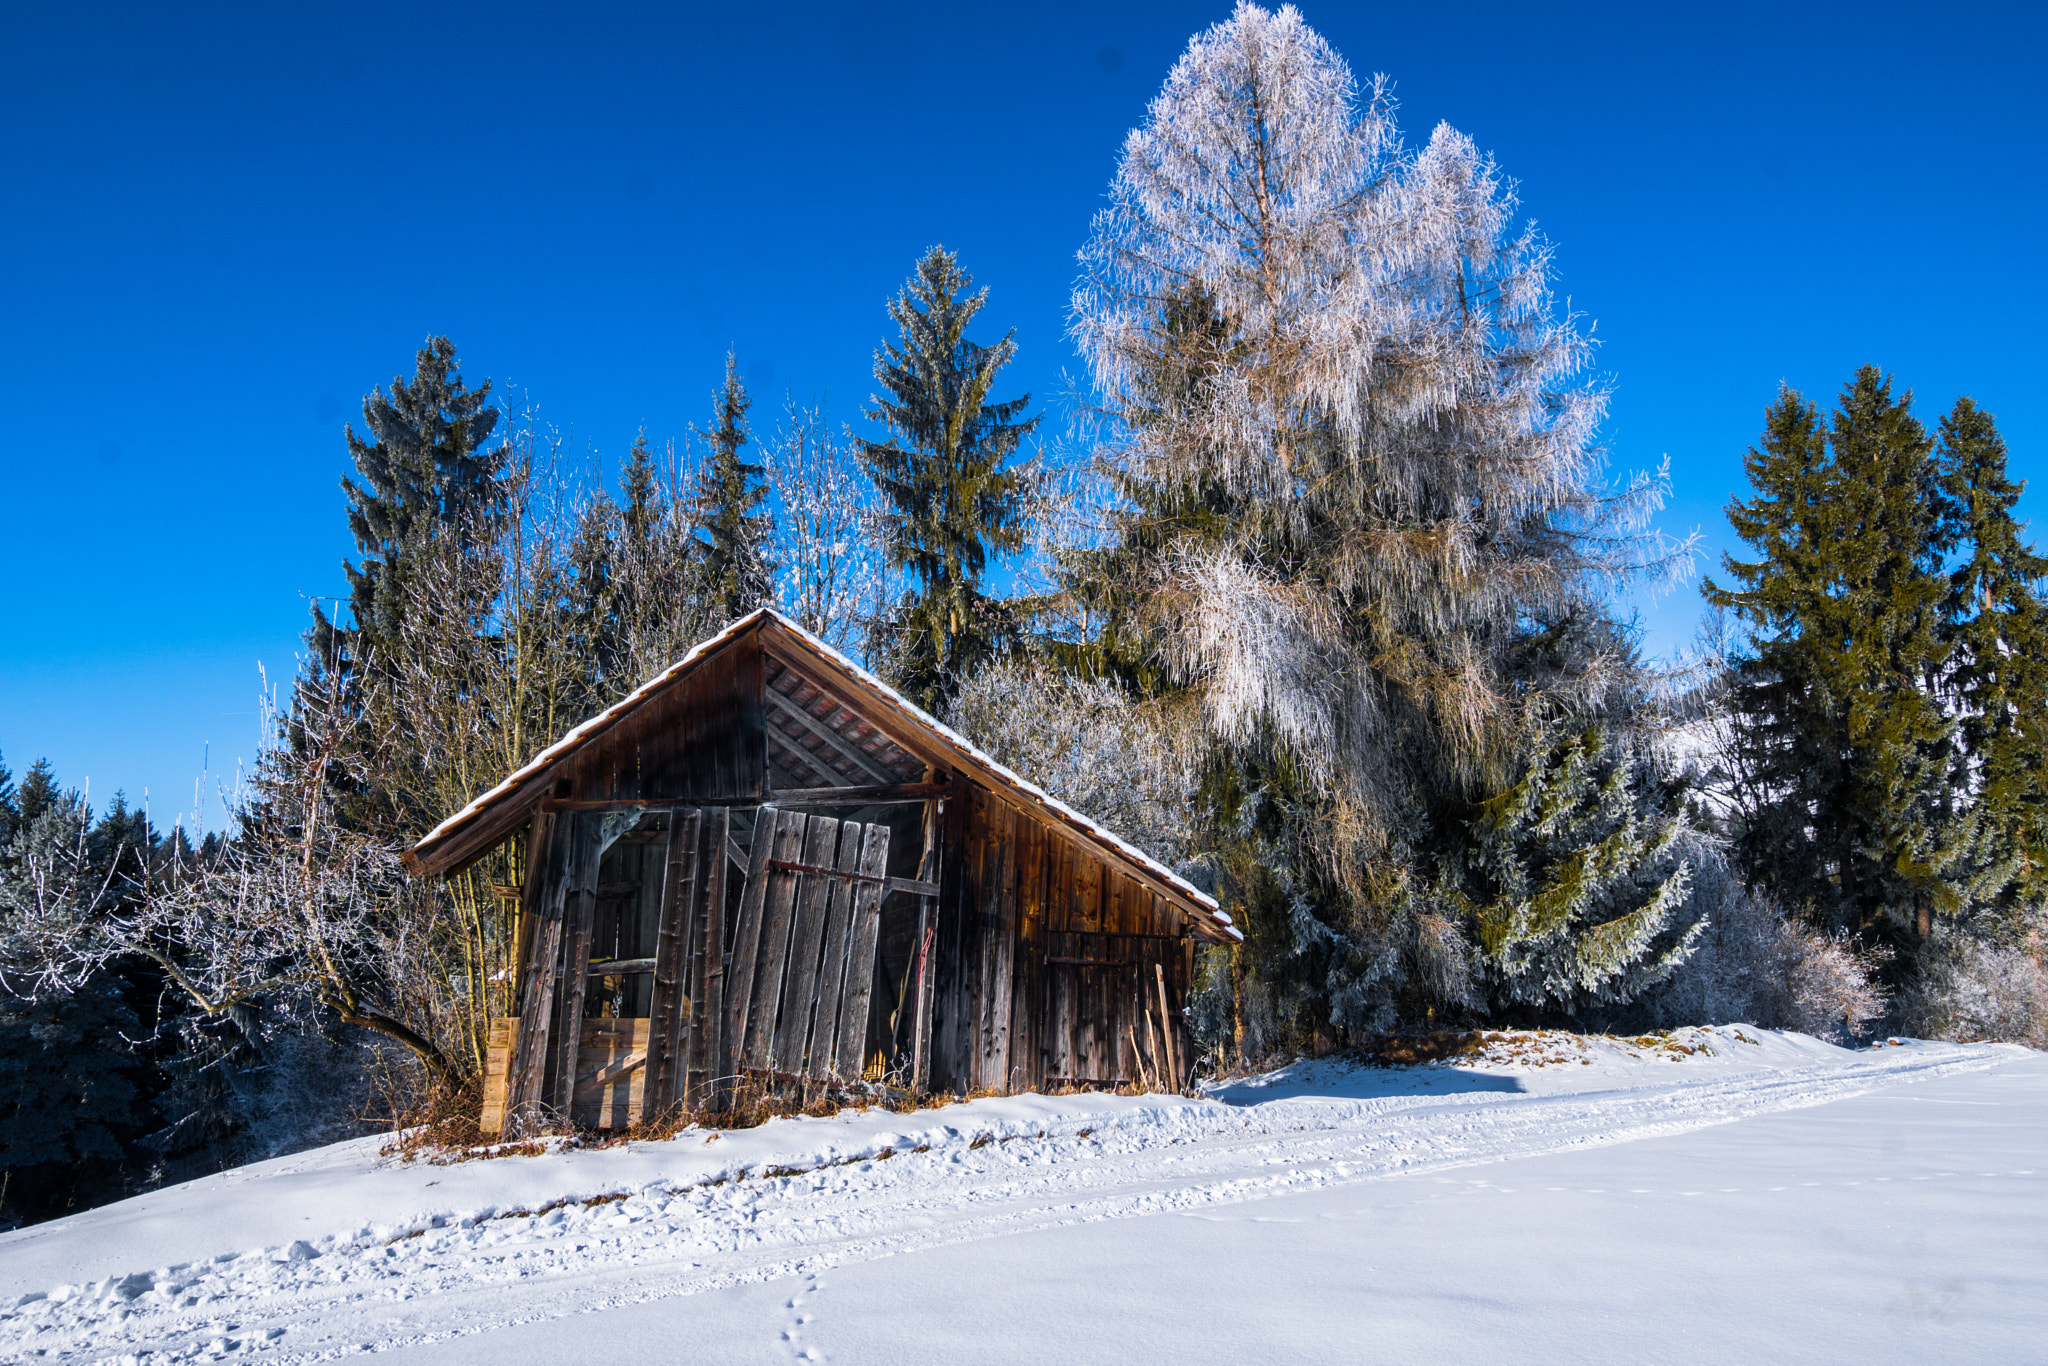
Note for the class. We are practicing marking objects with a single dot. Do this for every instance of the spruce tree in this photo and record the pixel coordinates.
(954, 496)
(734, 573)
(426, 465)
(2000, 676)
(10, 809)
(1860, 802)
(1574, 879)
(39, 793)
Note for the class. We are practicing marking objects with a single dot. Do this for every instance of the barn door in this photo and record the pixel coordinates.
(801, 977)
(649, 1053)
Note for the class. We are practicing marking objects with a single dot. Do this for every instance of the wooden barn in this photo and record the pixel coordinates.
(767, 866)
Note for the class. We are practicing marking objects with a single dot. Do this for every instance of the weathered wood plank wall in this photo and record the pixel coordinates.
(1048, 961)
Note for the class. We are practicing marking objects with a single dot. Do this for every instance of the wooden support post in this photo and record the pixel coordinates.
(546, 885)
(927, 935)
(579, 913)
(1166, 1026)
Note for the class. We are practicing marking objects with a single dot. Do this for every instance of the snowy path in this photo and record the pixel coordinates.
(987, 1171)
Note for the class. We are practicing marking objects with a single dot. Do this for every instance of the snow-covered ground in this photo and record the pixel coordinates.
(1554, 1200)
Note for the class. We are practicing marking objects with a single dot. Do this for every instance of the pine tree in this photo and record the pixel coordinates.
(1858, 811)
(2000, 677)
(734, 570)
(954, 497)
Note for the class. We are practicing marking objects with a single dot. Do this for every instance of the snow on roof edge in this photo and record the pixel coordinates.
(910, 709)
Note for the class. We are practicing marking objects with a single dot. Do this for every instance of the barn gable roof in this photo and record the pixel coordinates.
(897, 731)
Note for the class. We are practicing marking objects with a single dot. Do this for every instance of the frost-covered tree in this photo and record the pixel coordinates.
(832, 567)
(954, 495)
(1363, 526)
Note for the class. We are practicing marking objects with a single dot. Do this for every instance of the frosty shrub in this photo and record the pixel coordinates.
(1752, 964)
(1971, 991)
(1087, 743)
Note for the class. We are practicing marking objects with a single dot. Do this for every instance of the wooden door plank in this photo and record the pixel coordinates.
(1177, 1078)
(743, 958)
(806, 942)
(679, 899)
(832, 963)
(772, 957)
(863, 932)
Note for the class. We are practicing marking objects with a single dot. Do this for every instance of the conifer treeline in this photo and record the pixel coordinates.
(1891, 701)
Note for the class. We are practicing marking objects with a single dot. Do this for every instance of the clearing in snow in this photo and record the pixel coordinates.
(1554, 1198)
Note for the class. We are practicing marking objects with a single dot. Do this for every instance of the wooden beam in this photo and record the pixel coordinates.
(783, 706)
(858, 796)
(787, 746)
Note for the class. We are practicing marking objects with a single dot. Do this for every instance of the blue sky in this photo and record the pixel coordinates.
(223, 225)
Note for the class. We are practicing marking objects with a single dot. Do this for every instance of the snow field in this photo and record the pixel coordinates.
(388, 1256)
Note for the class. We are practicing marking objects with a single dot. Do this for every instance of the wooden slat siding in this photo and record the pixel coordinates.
(945, 942)
(949, 997)
(743, 958)
(706, 1056)
(977, 904)
(1058, 868)
(601, 1045)
(1001, 939)
(977, 895)
(579, 909)
(863, 931)
(547, 881)
(831, 993)
(757, 1042)
(679, 900)
(806, 942)
(928, 871)
(1025, 956)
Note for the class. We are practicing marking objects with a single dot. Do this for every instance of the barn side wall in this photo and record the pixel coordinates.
(1050, 961)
